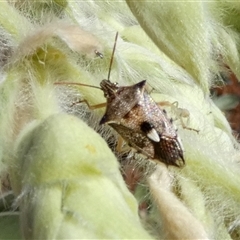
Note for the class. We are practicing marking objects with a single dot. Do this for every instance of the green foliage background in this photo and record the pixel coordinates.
(65, 179)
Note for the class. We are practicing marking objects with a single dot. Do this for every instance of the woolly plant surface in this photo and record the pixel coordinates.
(65, 178)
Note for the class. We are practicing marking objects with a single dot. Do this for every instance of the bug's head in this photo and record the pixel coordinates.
(109, 88)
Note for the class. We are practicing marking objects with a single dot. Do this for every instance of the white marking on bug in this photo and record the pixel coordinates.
(153, 135)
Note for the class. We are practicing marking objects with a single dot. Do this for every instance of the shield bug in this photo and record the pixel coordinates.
(139, 120)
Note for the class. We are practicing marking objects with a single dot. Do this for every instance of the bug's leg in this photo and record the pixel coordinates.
(91, 107)
(164, 103)
(180, 113)
(131, 171)
(119, 144)
(122, 146)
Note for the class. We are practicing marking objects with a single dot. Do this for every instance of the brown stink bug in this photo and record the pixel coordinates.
(140, 121)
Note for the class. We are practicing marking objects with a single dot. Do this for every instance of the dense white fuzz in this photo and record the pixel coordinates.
(61, 170)
(76, 39)
(178, 222)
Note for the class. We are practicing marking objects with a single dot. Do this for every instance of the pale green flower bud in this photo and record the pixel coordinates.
(70, 185)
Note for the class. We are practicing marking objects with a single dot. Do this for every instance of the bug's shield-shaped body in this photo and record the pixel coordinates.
(138, 119)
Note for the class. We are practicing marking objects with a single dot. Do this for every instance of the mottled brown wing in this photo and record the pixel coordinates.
(135, 139)
(168, 150)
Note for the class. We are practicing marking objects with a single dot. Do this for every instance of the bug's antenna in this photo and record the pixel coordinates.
(111, 61)
(79, 84)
